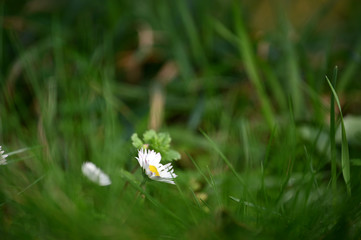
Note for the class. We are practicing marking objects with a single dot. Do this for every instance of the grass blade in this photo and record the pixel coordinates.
(345, 159)
(248, 57)
(224, 158)
(332, 136)
(291, 63)
(228, 163)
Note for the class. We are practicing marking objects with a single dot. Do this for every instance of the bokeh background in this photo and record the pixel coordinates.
(240, 87)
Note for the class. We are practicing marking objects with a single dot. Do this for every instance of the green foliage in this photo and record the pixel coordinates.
(159, 142)
(77, 79)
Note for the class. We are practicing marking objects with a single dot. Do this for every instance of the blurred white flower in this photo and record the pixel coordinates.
(95, 174)
(2, 157)
(150, 162)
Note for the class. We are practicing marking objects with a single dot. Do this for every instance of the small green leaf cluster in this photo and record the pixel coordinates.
(159, 142)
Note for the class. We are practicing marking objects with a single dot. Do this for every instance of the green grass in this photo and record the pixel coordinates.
(247, 106)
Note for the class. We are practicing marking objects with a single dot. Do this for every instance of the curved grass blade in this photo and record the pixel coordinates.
(345, 159)
(332, 135)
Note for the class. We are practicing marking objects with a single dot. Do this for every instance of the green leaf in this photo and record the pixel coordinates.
(173, 155)
(149, 136)
(164, 139)
(137, 143)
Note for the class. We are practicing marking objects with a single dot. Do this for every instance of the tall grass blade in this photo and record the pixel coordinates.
(345, 159)
(291, 64)
(248, 57)
(199, 169)
(192, 32)
(332, 136)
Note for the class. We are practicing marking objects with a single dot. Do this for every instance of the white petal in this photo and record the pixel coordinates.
(142, 158)
(154, 158)
(160, 179)
(2, 157)
(94, 174)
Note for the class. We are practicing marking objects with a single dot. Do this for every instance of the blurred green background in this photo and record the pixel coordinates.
(240, 87)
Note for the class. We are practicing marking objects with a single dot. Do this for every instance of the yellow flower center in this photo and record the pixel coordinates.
(154, 170)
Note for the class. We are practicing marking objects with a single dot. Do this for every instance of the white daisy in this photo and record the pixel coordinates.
(150, 162)
(95, 174)
(3, 157)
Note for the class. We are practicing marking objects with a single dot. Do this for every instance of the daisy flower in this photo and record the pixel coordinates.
(94, 174)
(3, 157)
(150, 162)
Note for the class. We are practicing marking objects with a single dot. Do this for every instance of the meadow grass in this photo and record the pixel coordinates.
(247, 106)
